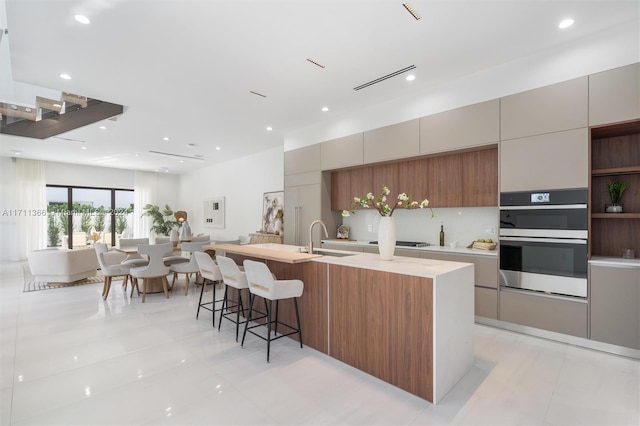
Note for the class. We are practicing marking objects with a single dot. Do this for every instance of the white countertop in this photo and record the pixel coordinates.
(414, 266)
(617, 262)
(437, 249)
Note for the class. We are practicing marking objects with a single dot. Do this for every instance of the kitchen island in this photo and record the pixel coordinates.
(407, 321)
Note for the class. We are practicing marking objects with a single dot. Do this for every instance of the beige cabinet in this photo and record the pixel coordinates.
(400, 140)
(466, 127)
(302, 205)
(560, 106)
(550, 161)
(485, 278)
(302, 160)
(342, 152)
(615, 305)
(557, 314)
(614, 95)
(486, 302)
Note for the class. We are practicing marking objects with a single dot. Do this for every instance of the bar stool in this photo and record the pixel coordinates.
(232, 276)
(263, 284)
(210, 272)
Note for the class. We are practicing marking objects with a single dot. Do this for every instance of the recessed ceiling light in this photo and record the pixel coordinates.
(65, 76)
(411, 77)
(137, 155)
(165, 138)
(565, 23)
(83, 147)
(182, 161)
(218, 148)
(102, 128)
(325, 109)
(82, 19)
(16, 152)
(269, 128)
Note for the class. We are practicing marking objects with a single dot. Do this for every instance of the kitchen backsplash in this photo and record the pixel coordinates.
(460, 224)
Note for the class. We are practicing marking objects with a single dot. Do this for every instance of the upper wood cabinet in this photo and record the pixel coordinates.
(465, 127)
(444, 181)
(561, 106)
(552, 161)
(341, 195)
(400, 140)
(302, 160)
(614, 95)
(480, 178)
(342, 152)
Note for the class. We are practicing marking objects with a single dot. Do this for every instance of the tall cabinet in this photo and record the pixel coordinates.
(307, 193)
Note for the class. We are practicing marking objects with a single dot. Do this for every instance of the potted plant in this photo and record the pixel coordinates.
(616, 189)
(163, 221)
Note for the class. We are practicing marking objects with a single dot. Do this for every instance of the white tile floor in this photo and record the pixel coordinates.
(68, 357)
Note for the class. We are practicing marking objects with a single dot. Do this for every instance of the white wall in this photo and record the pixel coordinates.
(462, 224)
(242, 182)
(6, 196)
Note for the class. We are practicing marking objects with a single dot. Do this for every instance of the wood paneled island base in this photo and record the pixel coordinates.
(408, 321)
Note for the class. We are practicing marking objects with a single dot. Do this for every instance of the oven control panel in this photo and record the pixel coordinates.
(540, 197)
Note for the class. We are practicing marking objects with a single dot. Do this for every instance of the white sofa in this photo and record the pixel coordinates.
(62, 265)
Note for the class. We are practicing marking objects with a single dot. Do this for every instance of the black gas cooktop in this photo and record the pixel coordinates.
(406, 243)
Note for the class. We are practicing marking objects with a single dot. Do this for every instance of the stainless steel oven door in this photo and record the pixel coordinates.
(552, 265)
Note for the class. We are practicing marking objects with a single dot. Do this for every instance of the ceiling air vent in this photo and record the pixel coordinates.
(257, 94)
(178, 155)
(385, 77)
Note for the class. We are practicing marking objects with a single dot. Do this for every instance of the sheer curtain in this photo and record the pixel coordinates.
(30, 204)
(144, 193)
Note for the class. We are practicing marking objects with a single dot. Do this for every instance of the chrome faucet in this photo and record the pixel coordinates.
(326, 234)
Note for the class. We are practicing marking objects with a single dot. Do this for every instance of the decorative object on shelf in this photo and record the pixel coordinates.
(343, 232)
(185, 229)
(616, 189)
(272, 203)
(387, 228)
(628, 254)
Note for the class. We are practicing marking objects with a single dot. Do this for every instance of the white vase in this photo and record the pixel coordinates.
(387, 237)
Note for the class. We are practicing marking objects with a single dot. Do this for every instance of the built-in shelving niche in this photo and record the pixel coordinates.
(615, 155)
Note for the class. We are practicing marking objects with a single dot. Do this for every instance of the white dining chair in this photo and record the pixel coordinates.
(110, 271)
(187, 268)
(155, 269)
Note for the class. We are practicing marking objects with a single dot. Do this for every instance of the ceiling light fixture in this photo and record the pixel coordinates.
(315, 63)
(565, 23)
(411, 11)
(165, 138)
(325, 109)
(218, 148)
(83, 147)
(269, 128)
(65, 76)
(102, 128)
(411, 77)
(82, 19)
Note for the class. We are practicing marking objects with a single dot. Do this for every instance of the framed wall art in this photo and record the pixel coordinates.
(214, 213)
(272, 212)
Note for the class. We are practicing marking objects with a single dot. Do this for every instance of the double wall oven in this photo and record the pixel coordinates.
(543, 241)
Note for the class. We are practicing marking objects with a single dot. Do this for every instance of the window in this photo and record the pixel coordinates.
(79, 216)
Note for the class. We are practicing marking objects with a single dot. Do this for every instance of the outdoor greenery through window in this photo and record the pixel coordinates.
(79, 217)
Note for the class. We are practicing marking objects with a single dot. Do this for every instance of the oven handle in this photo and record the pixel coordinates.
(545, 207)
(545, 240)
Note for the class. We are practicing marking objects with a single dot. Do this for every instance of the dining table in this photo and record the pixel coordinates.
(154, 285)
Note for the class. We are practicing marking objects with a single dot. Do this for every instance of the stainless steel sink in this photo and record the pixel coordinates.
(331, 253)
